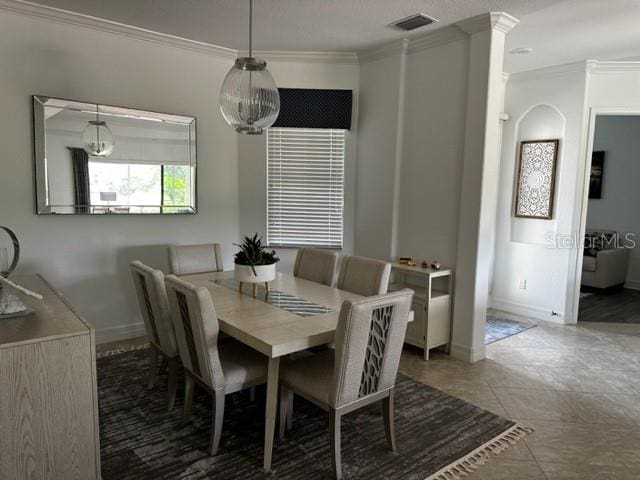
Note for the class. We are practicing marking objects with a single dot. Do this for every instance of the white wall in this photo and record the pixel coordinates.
(252, 164)
(542, 104)
(433, 150)
(619, 137)
(87, 257)
(579, 93)
(380, 83)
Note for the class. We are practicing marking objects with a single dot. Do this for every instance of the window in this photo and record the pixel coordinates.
(138, 185)
(305, 187)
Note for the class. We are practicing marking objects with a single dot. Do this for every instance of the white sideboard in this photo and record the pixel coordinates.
(48, 395)
(432, 305)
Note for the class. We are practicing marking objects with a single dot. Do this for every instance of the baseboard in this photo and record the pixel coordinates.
(632, 285)
(467, 354)
(533, 311)
(121, 332)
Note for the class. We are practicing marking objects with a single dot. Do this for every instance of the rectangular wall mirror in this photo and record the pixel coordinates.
(97, 159)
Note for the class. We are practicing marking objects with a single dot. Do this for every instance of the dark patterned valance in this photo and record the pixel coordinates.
(311, 108)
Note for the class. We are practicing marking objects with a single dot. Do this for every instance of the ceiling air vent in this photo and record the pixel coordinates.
(413, 21)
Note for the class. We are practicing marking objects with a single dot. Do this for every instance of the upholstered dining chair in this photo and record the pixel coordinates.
(189, 259)
(364, 276)
(316, 265)
(152, 297)
(221, 370)
(361, 370)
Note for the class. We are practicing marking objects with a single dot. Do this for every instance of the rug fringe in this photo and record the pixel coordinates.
(125, 349)
(470, 462)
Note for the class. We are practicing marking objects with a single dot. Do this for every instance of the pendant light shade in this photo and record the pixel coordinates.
(249, 98)
(97, 139)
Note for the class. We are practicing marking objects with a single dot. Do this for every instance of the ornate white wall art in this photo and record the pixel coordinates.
(536, 179)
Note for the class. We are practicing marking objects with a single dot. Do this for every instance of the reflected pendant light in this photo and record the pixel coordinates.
(249, 99)
(97, 139)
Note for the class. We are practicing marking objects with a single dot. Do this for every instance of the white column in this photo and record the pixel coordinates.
(480, 177)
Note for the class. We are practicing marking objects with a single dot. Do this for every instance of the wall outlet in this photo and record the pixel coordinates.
(522, 285)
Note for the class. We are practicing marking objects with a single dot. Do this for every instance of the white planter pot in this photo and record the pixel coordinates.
(265, 273)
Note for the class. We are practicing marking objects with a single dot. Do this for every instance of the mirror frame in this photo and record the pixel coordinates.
(40, 168)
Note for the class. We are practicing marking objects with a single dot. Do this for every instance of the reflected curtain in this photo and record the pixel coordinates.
(80, 160)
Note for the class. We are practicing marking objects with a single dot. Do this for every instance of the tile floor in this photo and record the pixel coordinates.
(578, 386)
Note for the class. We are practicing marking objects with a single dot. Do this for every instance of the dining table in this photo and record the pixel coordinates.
(290, 316)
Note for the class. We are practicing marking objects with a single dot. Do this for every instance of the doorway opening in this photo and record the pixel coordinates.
(610, 278)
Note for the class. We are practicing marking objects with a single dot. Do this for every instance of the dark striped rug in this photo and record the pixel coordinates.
(140, 440)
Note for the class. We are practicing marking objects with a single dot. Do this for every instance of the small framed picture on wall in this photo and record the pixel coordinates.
(535, 187)
(597, 172)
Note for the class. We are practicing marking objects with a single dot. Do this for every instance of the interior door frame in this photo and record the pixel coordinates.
(582, 203)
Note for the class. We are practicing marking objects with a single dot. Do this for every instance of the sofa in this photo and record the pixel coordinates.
(605, 261)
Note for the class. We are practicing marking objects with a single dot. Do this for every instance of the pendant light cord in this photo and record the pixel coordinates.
(250, 28)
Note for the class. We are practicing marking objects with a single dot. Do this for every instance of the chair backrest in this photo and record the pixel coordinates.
(364, 276)
(188, 259)
(152, 297)
(369, 339)
(196, 325)
(316, 265)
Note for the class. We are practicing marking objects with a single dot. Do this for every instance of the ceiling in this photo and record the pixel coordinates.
(559, 30)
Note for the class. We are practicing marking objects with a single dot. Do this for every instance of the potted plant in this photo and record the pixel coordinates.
(254, 263)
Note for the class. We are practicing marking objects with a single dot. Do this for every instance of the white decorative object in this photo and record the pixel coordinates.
(264, 273)
(10, 303)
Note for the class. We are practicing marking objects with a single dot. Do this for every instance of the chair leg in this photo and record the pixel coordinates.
(164, 363)
(153, 367)
(334, 434)
(284, 411)
(216, 422)
(188, 396)
(389, 427)
(252, 394)
(290, 410)
(172, 382)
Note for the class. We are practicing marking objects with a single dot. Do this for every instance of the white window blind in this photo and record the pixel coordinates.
(305, 187)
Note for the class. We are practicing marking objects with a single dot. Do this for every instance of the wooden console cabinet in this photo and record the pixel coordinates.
(432, 305)
(48, 395)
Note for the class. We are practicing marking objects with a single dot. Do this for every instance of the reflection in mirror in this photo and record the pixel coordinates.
(147, 166)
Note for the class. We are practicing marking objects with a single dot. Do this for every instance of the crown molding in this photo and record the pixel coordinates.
(595, 66)
(22, 7)
(555, 70)
(413, 44)
(398, 47)
(500, 21)
(436, 38)
(348, 58)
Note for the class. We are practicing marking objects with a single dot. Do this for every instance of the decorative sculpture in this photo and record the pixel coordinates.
(10, 303)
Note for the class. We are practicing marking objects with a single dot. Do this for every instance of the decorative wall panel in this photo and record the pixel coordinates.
(536, 179)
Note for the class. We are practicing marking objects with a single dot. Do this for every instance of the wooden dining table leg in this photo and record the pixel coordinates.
(271, 409)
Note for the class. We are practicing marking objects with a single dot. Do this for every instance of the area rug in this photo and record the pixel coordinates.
(498, 328)
(439, 437)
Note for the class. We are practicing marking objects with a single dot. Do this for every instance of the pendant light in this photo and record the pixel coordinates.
(97, 139)
(249, 99)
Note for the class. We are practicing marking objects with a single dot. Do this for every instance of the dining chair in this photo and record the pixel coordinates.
(221, 370)
(189, 259)
(361, 370)
(364, 276)
(152, 298)
(316, 265)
